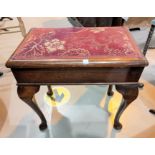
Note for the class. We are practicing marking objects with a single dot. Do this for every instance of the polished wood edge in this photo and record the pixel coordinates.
(75, 63)
(108, 83)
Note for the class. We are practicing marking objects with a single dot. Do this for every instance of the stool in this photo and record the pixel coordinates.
(81, 56)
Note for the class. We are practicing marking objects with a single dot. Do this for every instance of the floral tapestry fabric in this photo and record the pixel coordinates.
(77, 43)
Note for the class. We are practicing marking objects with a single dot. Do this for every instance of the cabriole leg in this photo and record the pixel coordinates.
(26, 93)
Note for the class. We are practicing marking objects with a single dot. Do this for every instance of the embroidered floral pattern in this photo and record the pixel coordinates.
(54, 45)
(76, 52)
(43, 43)
(33, 49)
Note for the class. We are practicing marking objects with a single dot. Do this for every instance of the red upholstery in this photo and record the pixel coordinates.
(70, 43)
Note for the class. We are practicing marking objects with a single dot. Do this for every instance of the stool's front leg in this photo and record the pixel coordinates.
(129, 94)
(26, 93)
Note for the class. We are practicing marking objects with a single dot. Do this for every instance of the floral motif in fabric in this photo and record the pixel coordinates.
(77, 43)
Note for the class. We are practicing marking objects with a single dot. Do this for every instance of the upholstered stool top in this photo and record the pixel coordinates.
(80, 44)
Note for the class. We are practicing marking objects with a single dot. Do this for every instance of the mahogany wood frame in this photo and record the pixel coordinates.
(124, 77)
(123, 72)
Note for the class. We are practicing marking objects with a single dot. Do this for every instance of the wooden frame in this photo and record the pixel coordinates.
(122, 72)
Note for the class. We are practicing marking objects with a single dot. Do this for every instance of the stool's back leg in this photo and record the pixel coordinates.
(110, 92)
(49, 92)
